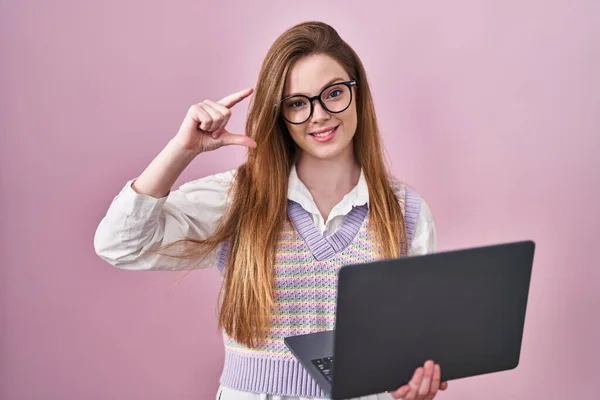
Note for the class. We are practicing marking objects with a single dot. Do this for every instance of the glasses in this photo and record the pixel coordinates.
(335, 98)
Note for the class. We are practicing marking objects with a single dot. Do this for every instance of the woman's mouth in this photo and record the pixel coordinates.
(325, 134)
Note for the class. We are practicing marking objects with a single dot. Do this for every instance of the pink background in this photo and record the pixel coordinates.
(490, 108)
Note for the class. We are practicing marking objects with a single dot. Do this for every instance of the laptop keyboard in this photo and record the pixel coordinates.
(324, 365)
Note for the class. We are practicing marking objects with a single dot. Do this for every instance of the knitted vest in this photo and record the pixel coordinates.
(305, 276)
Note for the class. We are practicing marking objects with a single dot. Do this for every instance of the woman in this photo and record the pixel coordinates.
(313, 195)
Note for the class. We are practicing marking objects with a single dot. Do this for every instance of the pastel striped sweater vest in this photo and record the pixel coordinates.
(306, 267)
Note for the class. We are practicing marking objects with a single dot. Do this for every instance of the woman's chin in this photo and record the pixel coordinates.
(327, 152)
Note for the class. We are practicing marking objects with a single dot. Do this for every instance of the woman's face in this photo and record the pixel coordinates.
(326, 134)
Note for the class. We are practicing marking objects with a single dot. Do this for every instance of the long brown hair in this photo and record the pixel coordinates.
(258, 208)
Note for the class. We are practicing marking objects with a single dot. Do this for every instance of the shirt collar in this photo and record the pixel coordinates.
(298, 192)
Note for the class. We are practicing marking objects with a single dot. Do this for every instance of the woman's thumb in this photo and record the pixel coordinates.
(237, 140)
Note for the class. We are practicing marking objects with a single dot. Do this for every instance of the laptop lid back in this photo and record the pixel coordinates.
(464, 309)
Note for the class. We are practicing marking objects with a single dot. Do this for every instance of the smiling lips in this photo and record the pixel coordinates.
(324, 135)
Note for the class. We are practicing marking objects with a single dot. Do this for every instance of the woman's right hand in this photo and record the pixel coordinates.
(203, 128)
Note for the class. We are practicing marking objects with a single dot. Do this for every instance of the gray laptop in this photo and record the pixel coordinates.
(464, 309)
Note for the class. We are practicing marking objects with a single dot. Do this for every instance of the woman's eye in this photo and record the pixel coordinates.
(295, 104)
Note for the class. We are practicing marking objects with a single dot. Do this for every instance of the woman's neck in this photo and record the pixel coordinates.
(328, 180)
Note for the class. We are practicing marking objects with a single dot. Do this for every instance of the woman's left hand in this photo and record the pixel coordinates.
(424, 384)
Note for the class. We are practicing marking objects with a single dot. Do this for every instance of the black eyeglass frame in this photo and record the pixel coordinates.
(349, 84)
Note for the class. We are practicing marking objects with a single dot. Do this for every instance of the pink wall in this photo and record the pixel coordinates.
(490, 108)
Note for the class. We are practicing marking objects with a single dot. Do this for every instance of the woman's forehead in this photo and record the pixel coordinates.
(310, 74)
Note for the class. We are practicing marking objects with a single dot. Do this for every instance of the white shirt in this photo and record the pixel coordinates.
(136, 222)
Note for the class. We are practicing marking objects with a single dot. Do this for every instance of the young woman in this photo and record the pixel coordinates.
(313, 195)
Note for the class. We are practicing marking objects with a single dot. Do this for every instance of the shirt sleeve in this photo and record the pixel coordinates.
(136, 224)
(424, 240)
